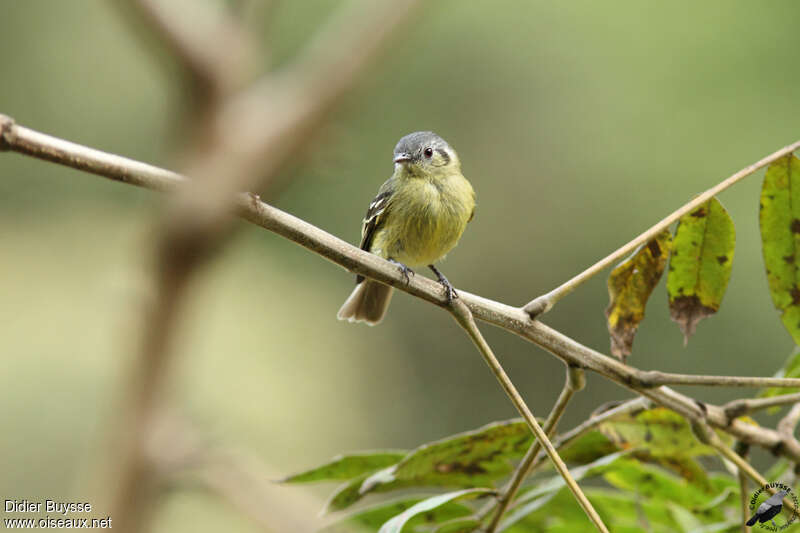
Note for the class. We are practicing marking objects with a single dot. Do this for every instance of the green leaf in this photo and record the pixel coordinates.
(660, 431)
(662, 436)
(459, 525)
(778, 469)
(685, 519)
(791, 369)
(700, 265)
(653, 482)
(471, 459)
(587, 448)
(556, 483)
(372, 518)
(396, 524)
(346, 495)
(348, 466)
(629, 286)
(621, 512)
(779, 219)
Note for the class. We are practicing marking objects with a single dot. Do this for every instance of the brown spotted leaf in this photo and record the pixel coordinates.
(477, 458)
(779, 219)
(629, 286)
(700, 265)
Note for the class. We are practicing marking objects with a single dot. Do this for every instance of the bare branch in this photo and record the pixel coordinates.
(512, 319)
(743, 406)
(742, 450)
(574, 382)
(544, 303)
(788, 423)
(464, 318)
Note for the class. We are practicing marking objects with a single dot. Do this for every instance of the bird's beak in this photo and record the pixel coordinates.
(402, 158)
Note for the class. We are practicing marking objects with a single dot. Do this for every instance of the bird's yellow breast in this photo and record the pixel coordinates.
(426, 219)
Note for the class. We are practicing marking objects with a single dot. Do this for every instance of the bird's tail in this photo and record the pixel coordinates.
(367, 303)
(753, 520)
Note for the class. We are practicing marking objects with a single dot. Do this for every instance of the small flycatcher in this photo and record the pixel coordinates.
(417, 217)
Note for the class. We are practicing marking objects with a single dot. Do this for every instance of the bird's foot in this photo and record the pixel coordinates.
(450, 291)
(404, 270)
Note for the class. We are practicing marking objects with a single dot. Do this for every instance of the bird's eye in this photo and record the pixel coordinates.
(428, 152)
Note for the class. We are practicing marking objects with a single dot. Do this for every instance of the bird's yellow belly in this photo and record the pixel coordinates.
(432, 221)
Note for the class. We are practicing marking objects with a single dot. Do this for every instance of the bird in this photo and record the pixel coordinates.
(769, 509)
(417, 217)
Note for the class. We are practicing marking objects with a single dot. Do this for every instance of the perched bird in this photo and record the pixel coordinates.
(769, 509)
(417, 217)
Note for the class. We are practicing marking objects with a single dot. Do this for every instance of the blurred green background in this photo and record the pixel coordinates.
(580, 124)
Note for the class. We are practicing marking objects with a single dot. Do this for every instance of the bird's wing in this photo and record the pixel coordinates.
(763, 508)
(376, 214)
(374, 217)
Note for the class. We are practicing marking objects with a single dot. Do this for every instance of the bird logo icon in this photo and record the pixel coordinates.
(768, 513)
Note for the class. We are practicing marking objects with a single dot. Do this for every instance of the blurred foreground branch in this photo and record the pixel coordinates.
(242, 140)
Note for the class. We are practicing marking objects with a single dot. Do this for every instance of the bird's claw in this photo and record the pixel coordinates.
(450, 291)
(406, 272)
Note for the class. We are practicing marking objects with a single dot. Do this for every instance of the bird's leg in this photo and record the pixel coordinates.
(451, 292)
(404, 270)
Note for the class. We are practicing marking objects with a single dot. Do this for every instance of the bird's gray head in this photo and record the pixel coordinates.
(424, 153)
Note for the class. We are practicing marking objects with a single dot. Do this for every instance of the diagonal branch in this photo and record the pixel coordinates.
(464, 318)
(788, 423)
(574, 382)
(544, 303)
(512, 319)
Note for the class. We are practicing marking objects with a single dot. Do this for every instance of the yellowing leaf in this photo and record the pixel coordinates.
(700, 264)
(629, 286)
(779, 218)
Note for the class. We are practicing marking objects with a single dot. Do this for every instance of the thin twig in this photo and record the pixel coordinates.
(655, 378)
(574, 382)
(563, 440)
(743, 406)
(464, 318)
(742, 450)
(544, 303)
(512, 319)
(743, 499)
(788, 423)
